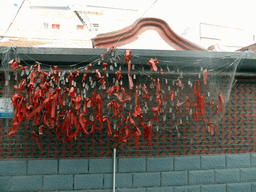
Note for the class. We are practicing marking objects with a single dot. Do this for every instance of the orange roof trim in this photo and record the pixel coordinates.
(251, 47)
(131, 33)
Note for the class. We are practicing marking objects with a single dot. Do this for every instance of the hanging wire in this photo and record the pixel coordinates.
(219, 68)
(135, 23)
(74, 65)
(13, 20)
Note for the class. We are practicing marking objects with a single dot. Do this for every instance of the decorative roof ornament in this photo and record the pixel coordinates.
(131, 33)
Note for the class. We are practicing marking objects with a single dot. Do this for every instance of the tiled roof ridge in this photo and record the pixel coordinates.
(131, 33)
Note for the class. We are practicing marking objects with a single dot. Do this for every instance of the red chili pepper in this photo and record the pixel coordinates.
(210, 103)
(13, 64)
(130, 81)
(147, 132)
(127, 55)
(210, 128)
(23, 68)
(118, 75)
(222, 101)
(35, 136)
(102, 81)
(77, 101)
(205, 76)
(120, 96)
(87, 67)
(144, 88)
(84, 77)
(179, 84)
(152, 63)
(76, 73)
(40, 129)
(216, 109)
(171, 95)
(55, 70)
(195, 114)
(105, 118)
(97, 73)
(104, 66)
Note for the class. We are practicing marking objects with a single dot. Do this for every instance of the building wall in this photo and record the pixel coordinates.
(224, 161)
(202, 173)
(30, 21)
(234, 135)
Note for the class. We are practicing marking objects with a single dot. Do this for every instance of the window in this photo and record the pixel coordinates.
(46, 25)
(95, 26)
(56, 26)
(79, 27)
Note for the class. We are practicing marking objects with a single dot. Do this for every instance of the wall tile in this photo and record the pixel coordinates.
(40, 167)
(214, 188)
(192, 188)
(213, 162)
(57, 182)
(160, 164)
(248, 174)
(201, 177)
(13, 168)
(239, 187)
(5, 183)
(132, 165)
(131, 190)
(100, 165)
(227, 176)
(160, 189)
(69, 166)
(174, 178)
(146, 179)
(122, 180)
(26, 183)
(187, 163)
(238, 161)
(88, 181)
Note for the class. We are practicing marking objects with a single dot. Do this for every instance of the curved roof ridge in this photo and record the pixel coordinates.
(132, 32)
